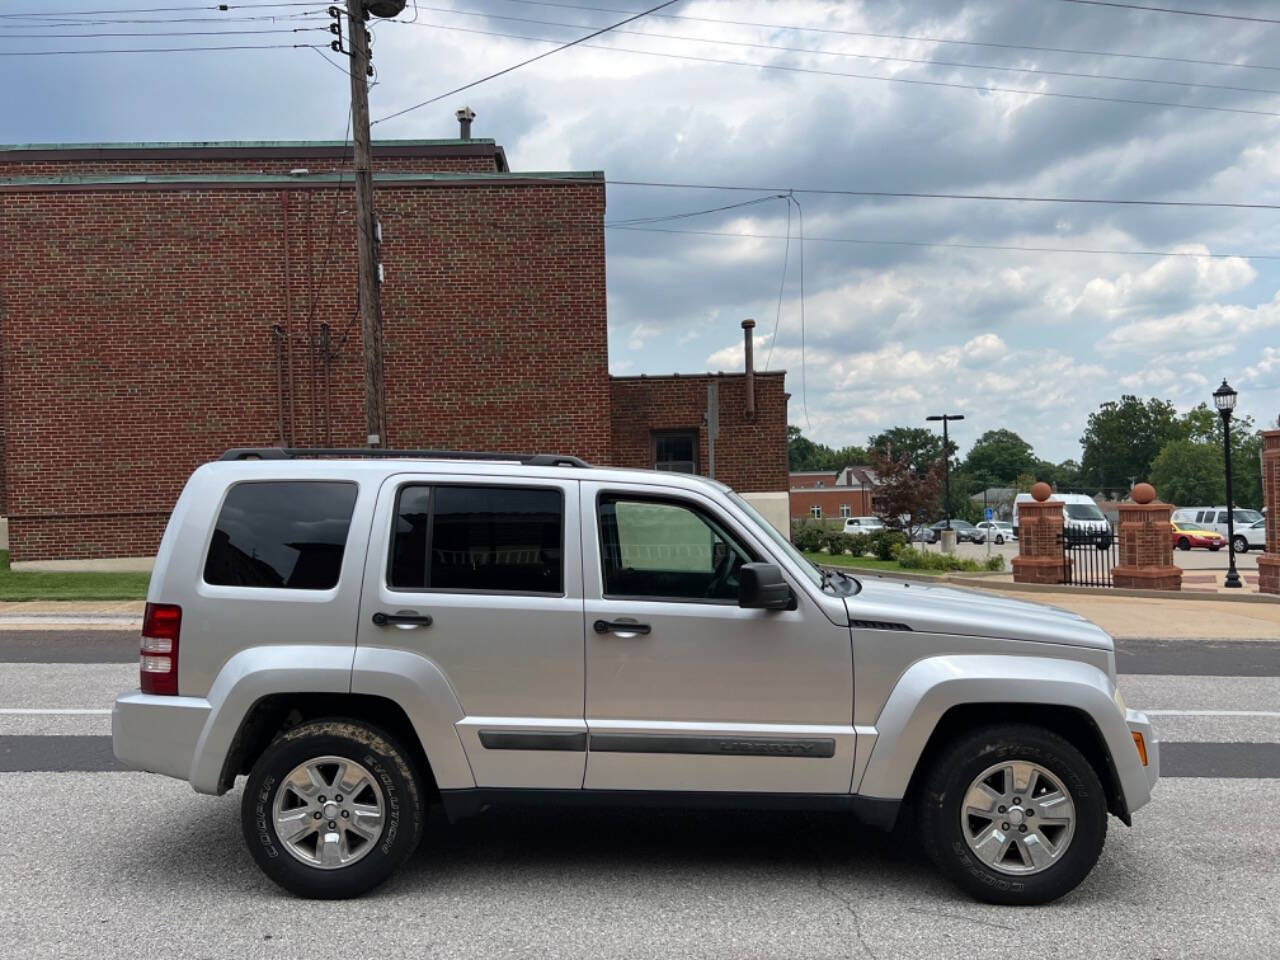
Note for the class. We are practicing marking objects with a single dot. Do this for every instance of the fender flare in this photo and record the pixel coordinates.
(931, 687)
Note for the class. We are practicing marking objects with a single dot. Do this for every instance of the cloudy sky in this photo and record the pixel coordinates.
(906, 308)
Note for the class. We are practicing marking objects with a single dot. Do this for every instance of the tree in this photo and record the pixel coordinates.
(1188, 473)
(906, 497)
(805, 454)
(921, 447)
(998, 456)
(1122, 439)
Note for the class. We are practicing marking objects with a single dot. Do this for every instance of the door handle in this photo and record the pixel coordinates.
(402, 619)
(623, 628)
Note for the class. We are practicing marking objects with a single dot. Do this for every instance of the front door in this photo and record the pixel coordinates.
(685, 689)
(494, 565)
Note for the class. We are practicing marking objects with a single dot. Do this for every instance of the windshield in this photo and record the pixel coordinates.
(1248, 516)
(1084, 511)
(776, 536)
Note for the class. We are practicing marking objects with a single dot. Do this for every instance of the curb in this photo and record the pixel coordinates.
(1103, 592)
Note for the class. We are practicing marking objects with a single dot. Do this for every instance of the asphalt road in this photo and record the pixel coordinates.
(102, 863)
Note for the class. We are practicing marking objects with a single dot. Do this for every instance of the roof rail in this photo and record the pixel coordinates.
(293, 453)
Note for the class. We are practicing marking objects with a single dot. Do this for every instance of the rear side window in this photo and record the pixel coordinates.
(283, 534)
(487, 539)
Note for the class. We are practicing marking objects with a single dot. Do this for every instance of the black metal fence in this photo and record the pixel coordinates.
(1088, 557)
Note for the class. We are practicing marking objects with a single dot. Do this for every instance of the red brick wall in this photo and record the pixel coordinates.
(137, 337)
(812, 481)
(751, 455)
(830, 499)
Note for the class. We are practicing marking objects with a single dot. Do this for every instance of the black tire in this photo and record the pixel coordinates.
(402, 793)
(999, 540)
(1184, 543)
(1242, 545)
(1214, 548)
(943, 792)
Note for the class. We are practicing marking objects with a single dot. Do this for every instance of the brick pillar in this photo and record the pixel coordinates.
(1269, 562)
(1040, 558)
(1146, 544)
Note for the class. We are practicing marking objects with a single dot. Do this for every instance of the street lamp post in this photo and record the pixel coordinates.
(1224, 398)
(946, 461)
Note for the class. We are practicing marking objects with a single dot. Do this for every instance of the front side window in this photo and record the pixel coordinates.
(284, 534)
(676, 452)
(665, 550)
(488, 539)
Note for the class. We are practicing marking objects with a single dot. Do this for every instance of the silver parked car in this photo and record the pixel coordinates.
(362, 636)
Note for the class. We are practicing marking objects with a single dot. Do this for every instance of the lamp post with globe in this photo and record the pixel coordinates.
(1224, 398)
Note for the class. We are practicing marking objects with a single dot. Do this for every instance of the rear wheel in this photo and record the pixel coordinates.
(1013, 815)
(1241, 544)
(332, 808)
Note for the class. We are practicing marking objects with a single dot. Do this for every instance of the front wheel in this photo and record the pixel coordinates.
(1000, 541)
(1184, 543)
(1241, 545)
(332, 808)
(1013, 814)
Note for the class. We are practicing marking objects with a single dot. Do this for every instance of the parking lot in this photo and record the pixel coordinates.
(1198, 560)
(99, 862)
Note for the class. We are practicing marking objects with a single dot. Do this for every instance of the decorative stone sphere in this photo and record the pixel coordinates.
(1041, 491)
(1143, 493)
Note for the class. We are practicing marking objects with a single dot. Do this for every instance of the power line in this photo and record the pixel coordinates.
(1185, 13)
(915, 195)
(41, 14)
(664, 218)
(782, 285)
(60, 23)
(258, 46)
(157, 33)
(866, 56)
(904, 36)
(863, 241)
(914, 81)
(523, 63)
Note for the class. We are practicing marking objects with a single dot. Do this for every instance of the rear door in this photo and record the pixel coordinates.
(686, 690)
(495, 565)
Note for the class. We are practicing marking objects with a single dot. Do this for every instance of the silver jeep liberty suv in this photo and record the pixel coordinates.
(364, 633)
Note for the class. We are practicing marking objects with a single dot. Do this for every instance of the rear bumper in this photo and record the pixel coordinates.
(158, 734)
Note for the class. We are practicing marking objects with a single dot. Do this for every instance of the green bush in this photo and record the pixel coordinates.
(884, 543)
(809, 537)
(995, 562)
(910, 558)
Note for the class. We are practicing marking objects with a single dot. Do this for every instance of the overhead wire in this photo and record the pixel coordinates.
(113, 50)
(913, 81)
(901, 36)
(523, 63)
(860, 56)
(1186, 13)
(188, 7)
(165, 33)
(782, 285)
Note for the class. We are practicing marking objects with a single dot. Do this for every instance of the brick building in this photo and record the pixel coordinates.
(823, 494)
(160, 303)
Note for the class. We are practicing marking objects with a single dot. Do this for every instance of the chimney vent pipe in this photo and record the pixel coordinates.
(465, 116)
(747, 327)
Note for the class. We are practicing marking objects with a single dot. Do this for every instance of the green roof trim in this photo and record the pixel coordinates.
(277, 178)
(234, 144)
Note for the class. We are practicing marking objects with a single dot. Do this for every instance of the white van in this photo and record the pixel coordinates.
(1215, 518)
(1079, 514)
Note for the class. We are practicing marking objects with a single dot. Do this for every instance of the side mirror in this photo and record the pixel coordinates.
(761, 587)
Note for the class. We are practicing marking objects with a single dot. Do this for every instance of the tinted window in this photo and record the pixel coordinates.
(281, 534)
(491, 539)
(658, 549)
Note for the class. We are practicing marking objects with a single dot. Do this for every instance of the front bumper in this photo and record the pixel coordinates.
(158, 734)
(1137, 722)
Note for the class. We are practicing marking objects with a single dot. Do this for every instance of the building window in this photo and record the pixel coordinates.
(676, 452)
(816, 512)
(282, 534)
(846, 510)
(822, 483)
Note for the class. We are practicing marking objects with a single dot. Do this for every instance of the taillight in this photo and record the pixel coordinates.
(161, 624)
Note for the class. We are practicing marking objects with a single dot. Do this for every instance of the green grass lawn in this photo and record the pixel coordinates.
(23, 585)
(867, 563)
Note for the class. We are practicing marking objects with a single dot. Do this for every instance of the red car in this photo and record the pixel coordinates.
(1185, 537)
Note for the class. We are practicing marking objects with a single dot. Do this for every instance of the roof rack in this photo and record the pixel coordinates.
(294, 453)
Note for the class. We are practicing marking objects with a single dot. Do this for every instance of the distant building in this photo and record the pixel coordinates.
(826, 494)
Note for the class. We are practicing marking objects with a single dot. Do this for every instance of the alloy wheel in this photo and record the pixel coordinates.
(1017, 818)
(329, 812)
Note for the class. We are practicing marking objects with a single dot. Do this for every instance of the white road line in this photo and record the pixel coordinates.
(54, 712)
(1212, 713)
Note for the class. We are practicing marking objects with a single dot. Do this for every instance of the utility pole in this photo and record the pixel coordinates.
(366, 229)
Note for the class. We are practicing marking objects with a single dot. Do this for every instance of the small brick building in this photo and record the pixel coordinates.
(160, 303)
